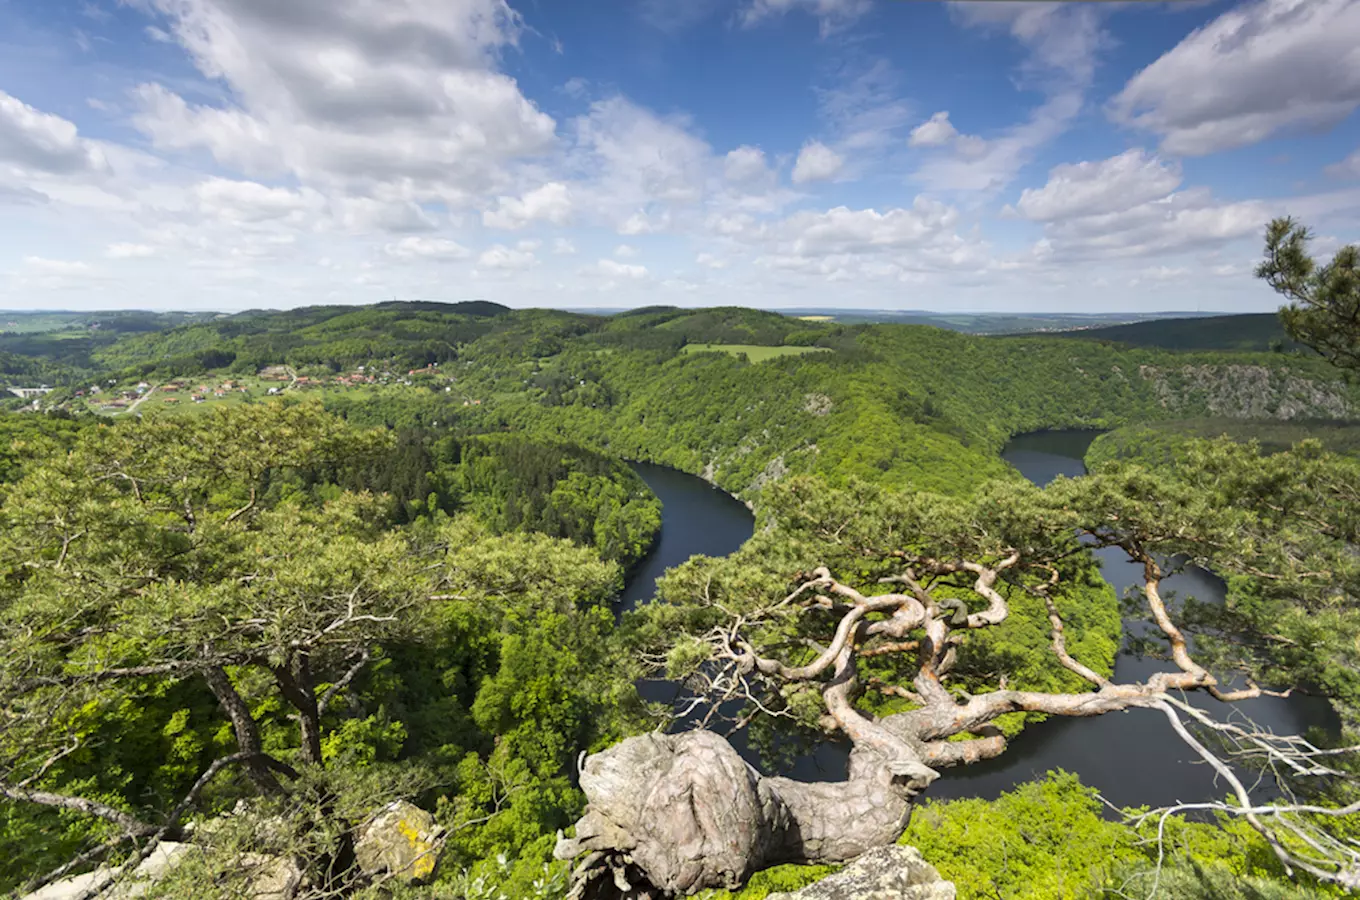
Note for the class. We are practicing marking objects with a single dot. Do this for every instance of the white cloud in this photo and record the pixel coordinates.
(816, 162)
(746, 165)
(1106, 186)
(402, 94)
(563, 247)
(425, 248)
(549, 203)
(709, 261)
(36, 141)
(624, 251)
(612, 269)
(1179, 222)
(499, 256)
(640, 164)
(364, 214)
(1062, 43)
(972, 163)
(1256, 70)
(249, 201)
(937, 131)
(643, 223)
(864, 109)
(1060, 38)
(1346, 168)
(129, 251)
(831, 14)
(55, 266)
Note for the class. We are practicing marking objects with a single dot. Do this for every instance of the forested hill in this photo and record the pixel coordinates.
(1250, 331)
(741, 396)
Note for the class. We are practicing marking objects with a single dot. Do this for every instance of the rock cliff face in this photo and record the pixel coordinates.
(1254, 392)
(887, 873)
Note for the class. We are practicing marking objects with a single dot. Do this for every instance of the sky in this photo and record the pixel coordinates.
(866, 154)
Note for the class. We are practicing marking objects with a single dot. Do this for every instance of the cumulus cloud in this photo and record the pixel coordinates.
(563, 247)
(625, 251)
(1062, 43)
(548, 203)
(411, 249)
(1181, 221)
(937, 131)
(249, 201)
(746, 165)
(816, 162)
(1094, 188)
(352, 93)
(612, 269)
(639, 160)
(499, 256)
(36, 141)
(1256, 70)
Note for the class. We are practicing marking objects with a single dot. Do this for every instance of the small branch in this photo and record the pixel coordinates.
(343, 683)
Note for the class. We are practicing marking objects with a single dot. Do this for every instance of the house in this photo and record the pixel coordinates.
(170, 400)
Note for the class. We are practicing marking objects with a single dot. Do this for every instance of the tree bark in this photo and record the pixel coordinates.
(678, 813)
(296, 685)
(246, 729)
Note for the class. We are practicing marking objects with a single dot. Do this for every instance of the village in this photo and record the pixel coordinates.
(210, 389)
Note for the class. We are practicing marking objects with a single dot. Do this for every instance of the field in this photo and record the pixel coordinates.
(754, 353)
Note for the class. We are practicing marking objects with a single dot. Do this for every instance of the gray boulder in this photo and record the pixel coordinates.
(886, 873)
(402, 841)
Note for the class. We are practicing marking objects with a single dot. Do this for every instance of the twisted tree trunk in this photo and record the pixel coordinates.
(672, 814)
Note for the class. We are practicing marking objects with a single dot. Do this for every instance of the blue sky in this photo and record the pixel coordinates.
(1083, 157)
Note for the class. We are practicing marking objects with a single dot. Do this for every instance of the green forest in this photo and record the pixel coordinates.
(386, 571)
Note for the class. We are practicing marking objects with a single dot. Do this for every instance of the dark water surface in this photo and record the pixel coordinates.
(1133, 758)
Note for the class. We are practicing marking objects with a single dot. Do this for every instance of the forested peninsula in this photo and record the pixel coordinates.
(271, 580)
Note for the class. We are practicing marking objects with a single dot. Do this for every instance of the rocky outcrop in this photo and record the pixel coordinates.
(268, 877)
(671, 814)
(887, 873)
(1246, 392)
(402, 842)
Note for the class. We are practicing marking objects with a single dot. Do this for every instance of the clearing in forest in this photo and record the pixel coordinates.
(754, 352)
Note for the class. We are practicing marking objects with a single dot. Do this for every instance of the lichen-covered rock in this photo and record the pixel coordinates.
(402, 841)
(886, 873)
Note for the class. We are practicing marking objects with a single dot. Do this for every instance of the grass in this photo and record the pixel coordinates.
(754, 352)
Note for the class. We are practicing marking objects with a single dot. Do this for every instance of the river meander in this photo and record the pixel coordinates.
(1132, 758)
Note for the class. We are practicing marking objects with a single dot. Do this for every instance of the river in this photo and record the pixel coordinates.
(1133, 758)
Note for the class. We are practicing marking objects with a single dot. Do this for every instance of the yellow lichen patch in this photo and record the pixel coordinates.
(423, 865)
